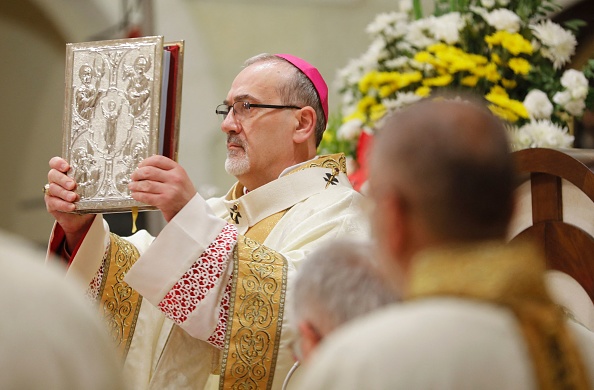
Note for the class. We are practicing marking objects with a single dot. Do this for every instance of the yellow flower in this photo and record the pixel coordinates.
(439, 81)
(376, 112)
(438, 47)
(512, 42)
(411, 77)
(355, 115)
(519, 66)
(496, 59)
(423, 91)
(509, 84)
(469, 81)
(497, 91)
(503, 113)
(492, 72)
(507, 108)
(367, 81)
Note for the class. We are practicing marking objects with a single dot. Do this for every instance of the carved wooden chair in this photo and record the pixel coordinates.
(555, 208)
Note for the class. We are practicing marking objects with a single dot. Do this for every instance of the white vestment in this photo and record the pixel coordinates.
(432, 343)
(178, 353)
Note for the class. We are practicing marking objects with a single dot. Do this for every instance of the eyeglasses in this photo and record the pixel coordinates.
(241, 110)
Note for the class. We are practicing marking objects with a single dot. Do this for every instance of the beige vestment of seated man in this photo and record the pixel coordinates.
(476, 318)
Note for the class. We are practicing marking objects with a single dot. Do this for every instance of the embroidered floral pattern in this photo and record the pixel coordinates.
(217, 338)
(195, 284)
(94, 288)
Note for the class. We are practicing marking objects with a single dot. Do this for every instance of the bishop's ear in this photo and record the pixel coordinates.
(306, 124)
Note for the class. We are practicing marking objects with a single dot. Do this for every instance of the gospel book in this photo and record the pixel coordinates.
(123, 100)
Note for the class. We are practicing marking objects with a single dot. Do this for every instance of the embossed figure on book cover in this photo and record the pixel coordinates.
(111, 117)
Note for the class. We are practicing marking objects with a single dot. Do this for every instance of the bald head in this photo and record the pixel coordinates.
(449, 162)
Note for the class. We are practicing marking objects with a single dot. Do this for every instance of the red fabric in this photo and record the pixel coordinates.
(359, 177)
(169, 146)
(134, 32)
(192, 287)
(58, 247)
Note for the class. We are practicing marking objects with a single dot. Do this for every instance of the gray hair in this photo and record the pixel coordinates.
(299, 91)
(337, 283)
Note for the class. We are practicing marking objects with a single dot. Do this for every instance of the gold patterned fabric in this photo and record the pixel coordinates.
(512, 277)
(257, 298)
(336, 162)
(119, 303)
(256, 310)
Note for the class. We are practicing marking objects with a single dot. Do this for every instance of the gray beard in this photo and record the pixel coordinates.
(237, 165)
(237, 162)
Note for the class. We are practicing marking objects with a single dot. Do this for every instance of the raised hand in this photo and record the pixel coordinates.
(163, 183)
(59, 202)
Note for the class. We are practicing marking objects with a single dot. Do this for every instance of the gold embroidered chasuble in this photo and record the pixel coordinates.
(512, 277)
(119, 303)
(258, 287)
(258, 295)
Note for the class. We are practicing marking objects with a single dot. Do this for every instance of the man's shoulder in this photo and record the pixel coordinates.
(421, 325)
(437, 336)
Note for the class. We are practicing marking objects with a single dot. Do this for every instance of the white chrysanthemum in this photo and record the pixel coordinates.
(348, 109)
(421, 66)
(447, 27)
(373, 55)
(402, 100)
(558, 43)
(575, 107)
(576, 83)
(538, 104)
(350, 130)
(406, 6)
(545, 134)
(518, 139)
(503, 20)
(352, 73)
(488, 3)
(396, 63)
(349, 101)
(418, 31)
(572, 99)
(385, 22)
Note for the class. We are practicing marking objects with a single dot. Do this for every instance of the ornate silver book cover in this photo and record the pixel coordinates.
(112, 116)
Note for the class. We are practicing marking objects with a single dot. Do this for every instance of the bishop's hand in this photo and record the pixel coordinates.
(163, 183)
(59, 202)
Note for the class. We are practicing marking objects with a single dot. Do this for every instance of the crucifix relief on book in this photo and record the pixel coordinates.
(123, 100)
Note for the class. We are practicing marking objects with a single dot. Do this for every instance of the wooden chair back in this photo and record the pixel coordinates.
(567, 247)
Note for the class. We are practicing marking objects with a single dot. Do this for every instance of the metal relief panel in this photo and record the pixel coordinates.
(111, 117)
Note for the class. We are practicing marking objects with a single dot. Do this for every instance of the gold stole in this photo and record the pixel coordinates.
(257, 297)
(119, 303)
(256, 310)
(512, 277)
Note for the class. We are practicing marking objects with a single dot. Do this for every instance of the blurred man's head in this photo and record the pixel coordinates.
(336, 283)
(441, 173)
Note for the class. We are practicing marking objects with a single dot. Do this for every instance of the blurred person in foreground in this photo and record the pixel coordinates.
(50, 336)
(476, 312)
(207, 295)
(336, 283)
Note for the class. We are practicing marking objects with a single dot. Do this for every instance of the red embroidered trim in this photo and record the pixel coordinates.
(196, 283)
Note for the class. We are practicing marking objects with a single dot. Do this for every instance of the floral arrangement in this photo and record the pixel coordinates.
(508, 51)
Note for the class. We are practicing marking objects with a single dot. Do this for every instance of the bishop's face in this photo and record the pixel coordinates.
(259, 140)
